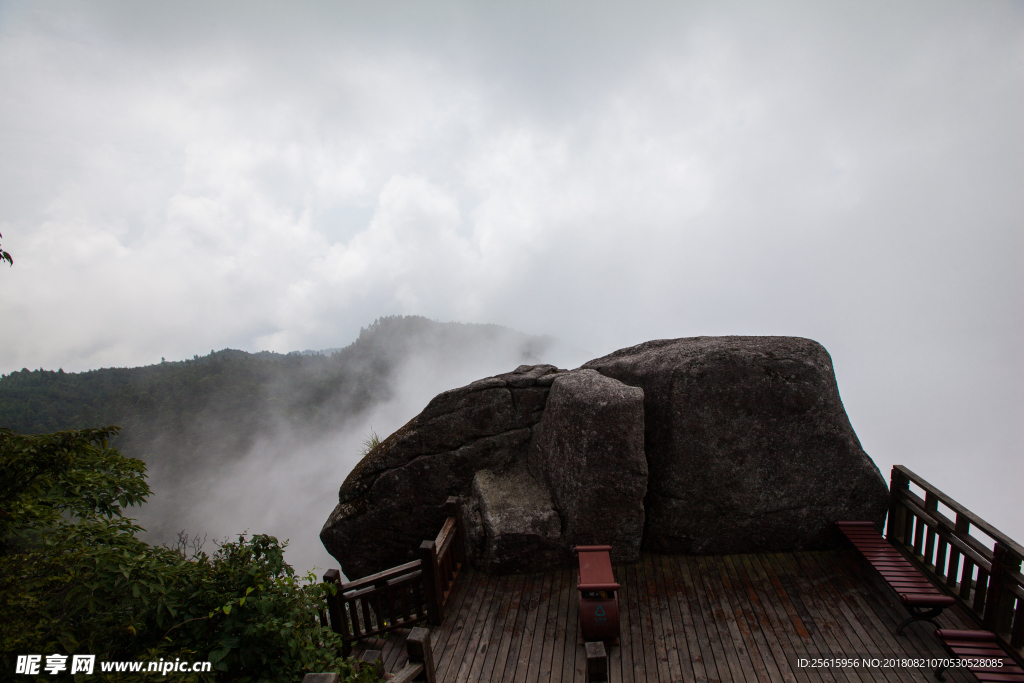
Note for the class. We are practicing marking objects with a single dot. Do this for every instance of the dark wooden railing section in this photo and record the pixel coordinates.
(403, 595)
(987, 582)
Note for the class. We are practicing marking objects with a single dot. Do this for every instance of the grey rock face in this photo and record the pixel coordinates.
(589, 451)
(748, 445)
(521, 528)
(390, 502)
(700, 445)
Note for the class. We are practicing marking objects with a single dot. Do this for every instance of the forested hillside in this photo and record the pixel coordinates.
(214, 406)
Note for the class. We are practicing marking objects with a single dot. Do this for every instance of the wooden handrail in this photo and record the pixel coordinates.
(976, 521)
(400, 596)
(986, 582)
(381, 576)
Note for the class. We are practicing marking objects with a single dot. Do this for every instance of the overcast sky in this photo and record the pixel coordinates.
(180, 177)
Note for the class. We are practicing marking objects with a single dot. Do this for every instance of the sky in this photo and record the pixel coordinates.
(180, 177)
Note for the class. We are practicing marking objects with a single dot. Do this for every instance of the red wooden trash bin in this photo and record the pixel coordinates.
(599, 594)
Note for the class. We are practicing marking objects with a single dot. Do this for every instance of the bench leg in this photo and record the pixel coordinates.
(916, 615)
(938, 673)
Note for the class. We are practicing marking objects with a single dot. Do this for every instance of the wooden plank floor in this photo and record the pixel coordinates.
(742, 618)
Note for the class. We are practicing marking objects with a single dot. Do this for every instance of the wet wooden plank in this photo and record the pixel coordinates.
(453, 656)
(721, 655)
(457, 614)
(758, 650)
(855, 625)
(621, 661)
(636, 634)
(555, 619)
(821, 637)
(518, 669)
(655, 654)
(654, 616)
(541, 628)
(732, 644)
(497, 655)
(476, 646)
(490, 633)
(856, 637)
(567, 586)
(394, 653)
(771, 648)
(690, 657)
(573, 639)
(782, 615)
(654, 568)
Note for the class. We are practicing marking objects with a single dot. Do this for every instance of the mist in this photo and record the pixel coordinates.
(262, 176)
(286, 484)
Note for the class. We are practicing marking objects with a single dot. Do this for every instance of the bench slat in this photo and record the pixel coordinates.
(981, 645)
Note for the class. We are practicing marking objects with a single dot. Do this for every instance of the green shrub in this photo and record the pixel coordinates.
(77, 580)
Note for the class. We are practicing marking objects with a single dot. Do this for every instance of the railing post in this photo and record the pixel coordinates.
(898, 483)
(999, 603)
(453, 508)
(418, 647)
(432, 592)
(336, 610)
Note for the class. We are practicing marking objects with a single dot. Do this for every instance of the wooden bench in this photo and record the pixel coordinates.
(979, 645)
(922, 599)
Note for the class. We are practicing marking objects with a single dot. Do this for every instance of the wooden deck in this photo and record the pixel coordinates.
(741, 618)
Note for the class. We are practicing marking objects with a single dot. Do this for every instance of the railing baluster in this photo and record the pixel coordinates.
(931, 505)
(418, 599)
(980, 591)
(908, 527)
(1017, 633)
(403, 600)
(364, 617)
(919, 537)
(389, 600)
(954, 567)
(940, 556)
(966, 576)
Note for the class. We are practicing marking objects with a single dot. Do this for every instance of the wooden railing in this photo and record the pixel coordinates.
(403, 595)
(987, 582)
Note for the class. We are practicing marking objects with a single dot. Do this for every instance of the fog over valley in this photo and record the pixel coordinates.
(236, 442)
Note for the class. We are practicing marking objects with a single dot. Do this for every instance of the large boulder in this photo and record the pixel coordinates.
(589, 451)
(521, 529)
(748, 445)
(391, 501)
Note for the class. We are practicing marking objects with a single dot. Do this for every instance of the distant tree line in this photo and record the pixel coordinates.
(214, 407)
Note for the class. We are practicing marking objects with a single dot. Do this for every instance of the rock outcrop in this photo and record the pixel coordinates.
(748, 445)
(390, 502)
(700, 445)
(589, 451)
(520, 528)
